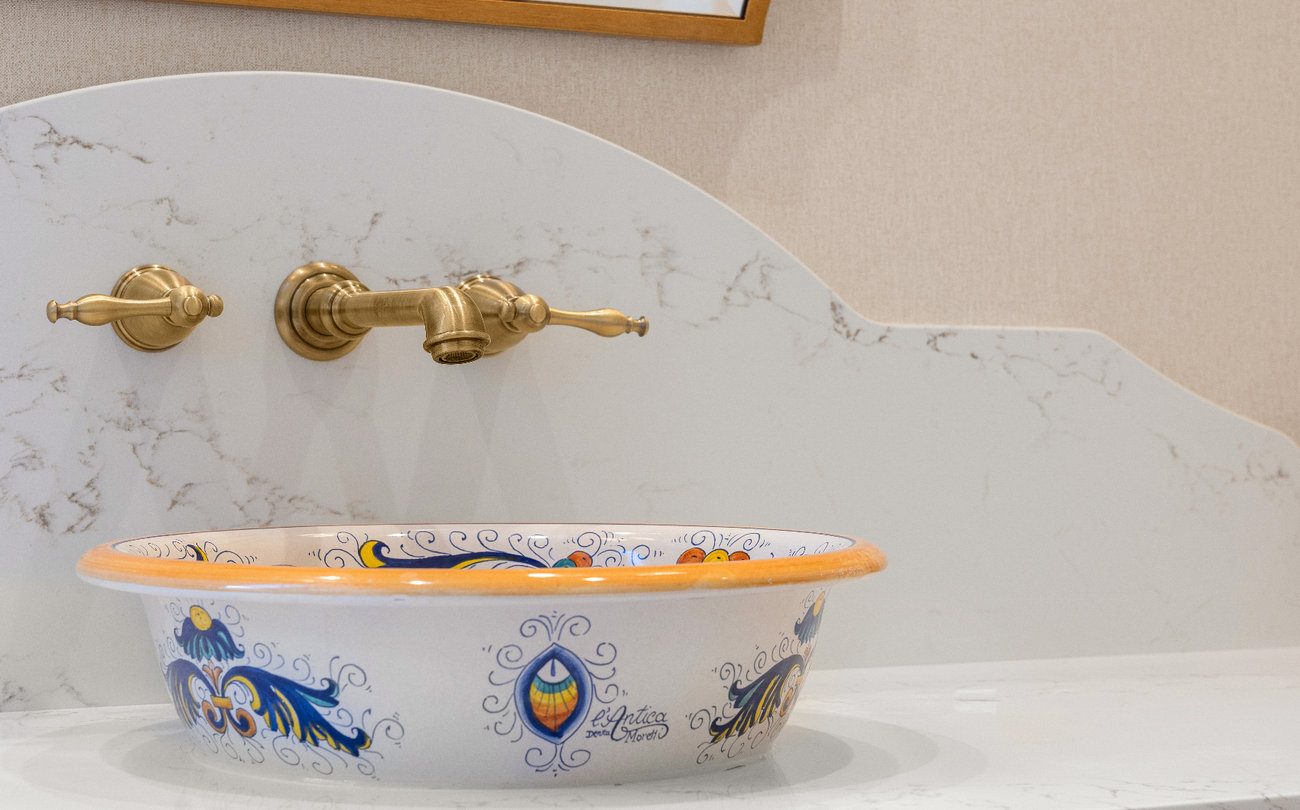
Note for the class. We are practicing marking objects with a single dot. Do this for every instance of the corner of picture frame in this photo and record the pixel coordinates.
(744, 30)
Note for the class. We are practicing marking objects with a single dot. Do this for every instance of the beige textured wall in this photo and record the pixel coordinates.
(1132, 167)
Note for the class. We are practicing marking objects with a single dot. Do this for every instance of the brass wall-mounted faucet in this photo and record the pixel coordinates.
(152, 308)
(322, 312)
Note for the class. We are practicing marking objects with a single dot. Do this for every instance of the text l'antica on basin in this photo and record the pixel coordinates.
(622, 724)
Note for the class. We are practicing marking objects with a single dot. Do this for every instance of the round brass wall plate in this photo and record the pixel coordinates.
(291, 311)
(149, 333)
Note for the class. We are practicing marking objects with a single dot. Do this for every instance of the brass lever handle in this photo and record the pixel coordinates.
(152, 308)
(510, 314)
(529, 313)
(181, 304)
(97, 310)
(604, 322)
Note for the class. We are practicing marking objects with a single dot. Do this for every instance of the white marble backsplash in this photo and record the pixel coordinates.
(1040, 493)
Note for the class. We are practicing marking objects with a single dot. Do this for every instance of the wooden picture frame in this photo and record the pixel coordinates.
(745, 30)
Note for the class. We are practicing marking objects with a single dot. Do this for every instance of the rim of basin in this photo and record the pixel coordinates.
(109, 565)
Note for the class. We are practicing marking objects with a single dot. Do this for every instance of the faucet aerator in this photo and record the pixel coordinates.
(456, 351)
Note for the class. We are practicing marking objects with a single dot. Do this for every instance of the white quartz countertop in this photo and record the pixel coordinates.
(1213, 730)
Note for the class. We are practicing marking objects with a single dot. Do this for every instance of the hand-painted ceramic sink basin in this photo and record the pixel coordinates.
(483, 655)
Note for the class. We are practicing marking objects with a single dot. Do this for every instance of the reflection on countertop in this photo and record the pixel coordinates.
(1211, 729)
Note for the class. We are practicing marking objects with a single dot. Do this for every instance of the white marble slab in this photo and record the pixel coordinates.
(1203, 730)
(1040, 493)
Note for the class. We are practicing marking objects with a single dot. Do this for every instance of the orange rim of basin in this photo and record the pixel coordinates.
(106, 564)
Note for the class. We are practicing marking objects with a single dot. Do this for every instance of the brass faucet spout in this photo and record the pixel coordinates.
(322, 311)
(453, 327)
(363, 310)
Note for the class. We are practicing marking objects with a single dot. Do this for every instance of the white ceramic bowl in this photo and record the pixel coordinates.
(483, 655)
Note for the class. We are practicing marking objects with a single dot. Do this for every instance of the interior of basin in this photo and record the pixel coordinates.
(485, 546)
